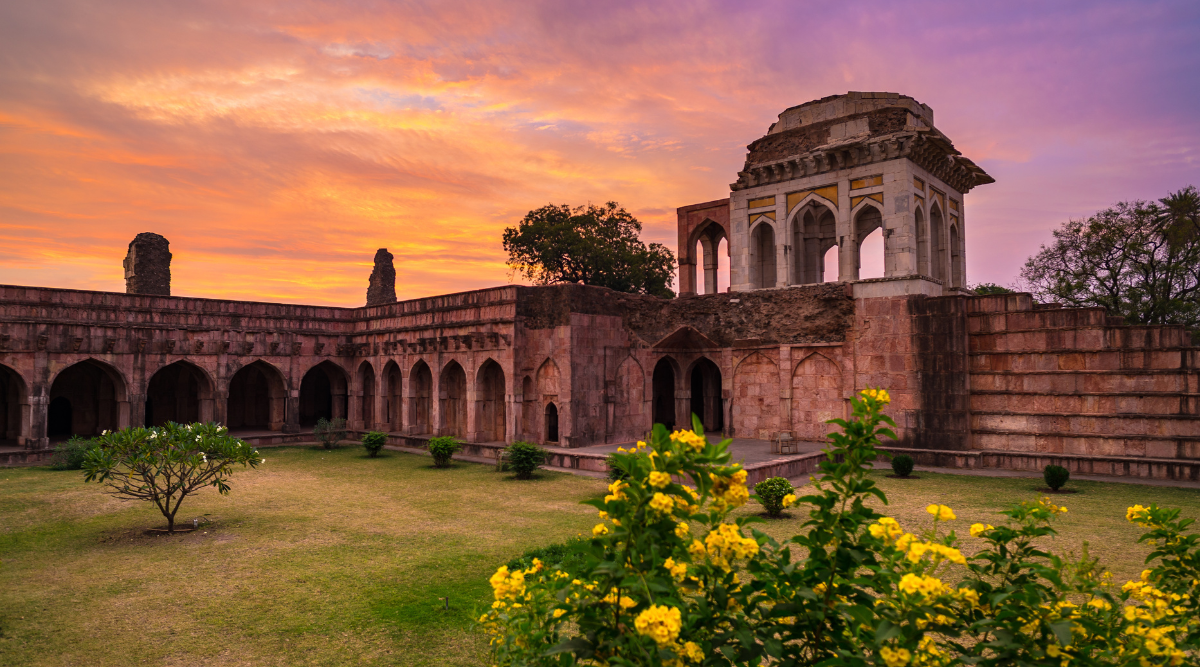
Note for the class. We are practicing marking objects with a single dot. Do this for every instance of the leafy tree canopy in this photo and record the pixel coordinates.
(1139, 260)
(595, 245)
(991, 288)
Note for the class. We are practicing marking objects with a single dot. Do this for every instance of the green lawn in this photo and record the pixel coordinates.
(332, 558)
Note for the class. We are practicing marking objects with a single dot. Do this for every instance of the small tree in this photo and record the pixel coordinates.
(524, 458)
(166, 464)
(330, 431)
(373, 442)
(442, 449)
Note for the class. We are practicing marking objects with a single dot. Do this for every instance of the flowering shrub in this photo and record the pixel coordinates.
(165, 464)
(775, 494)
(671, 580)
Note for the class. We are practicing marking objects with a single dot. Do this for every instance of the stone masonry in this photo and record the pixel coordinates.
(975, 380)
(148, 265)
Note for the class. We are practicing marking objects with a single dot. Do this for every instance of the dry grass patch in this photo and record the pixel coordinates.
(318, 558)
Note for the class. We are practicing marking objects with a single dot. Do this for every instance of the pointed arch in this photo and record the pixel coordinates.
(814, 232)
(393, 383)
(323, 393)
(762, 255)
(14, 394)
(869, 232)
(452, 400)
(179, 392)
(755, 409)
(548, 378)
(420, 399)
(257, 398)
(705, 241)
(664, 382)
(366, 403)
(707, 404)
(816, 396)
(86, 398)
(937, 244)
(490, 414)
(551, 421)
(922, 236)
(629, 417)
(956, 263)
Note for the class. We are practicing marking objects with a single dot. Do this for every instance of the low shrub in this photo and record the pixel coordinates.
(569, 556)
(69, 455)
(374, 441)
(615, 471)
(330, 432)
(1056, 476)
(524, 458)
(775, 494)
(442, 448)
(902, 465)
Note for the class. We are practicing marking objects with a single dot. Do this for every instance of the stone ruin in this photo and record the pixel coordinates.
(148, 265)
(976, 381)
(382, 289)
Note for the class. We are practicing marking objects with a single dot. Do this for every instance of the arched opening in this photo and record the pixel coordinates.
(664, 393)
(93, 399)
(59, 420)
(257, 398)
(937, 251)
(394, 383)
(420, 399)
(868, 229)
(829, 265)
(452, 394)
(922, 244)
(706, 395)
(489, 408)
(762, 256)
(12, 395)
(712, 258)
(180, 393)
(551, 422)
(322, 394)
(528, 409)
(366, 374)
(814, 233)
(956, 267)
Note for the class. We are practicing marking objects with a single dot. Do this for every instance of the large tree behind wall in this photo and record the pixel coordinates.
(595, 245)
(1139, 260)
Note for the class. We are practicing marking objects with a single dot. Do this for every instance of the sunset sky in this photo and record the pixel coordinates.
(278, 144)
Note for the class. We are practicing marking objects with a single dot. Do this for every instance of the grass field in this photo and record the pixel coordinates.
(332, 558)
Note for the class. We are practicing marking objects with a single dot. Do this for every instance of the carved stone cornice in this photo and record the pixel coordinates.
(928, 150)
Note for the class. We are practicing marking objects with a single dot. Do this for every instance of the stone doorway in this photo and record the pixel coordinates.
(664, 394)
(706, 395)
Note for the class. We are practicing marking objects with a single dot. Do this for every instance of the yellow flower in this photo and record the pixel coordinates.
(678, 570)
(661, 502)
(978, 529)
(599, 529)
(920, 584)
(682, 530)
(941, 512)
(689, 438)
(879, 395)
(507, 585)
(895, 657)
(1137, 514)
(660, 623)
(691, 651)
(603, 515)
(659, 479)
(789, 500)
(559, 612)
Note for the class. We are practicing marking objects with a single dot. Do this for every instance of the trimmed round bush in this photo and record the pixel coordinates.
(524, 458)
(1056, 476)
(374, 441)
(902, 465)
(442, 448)
(773, 495)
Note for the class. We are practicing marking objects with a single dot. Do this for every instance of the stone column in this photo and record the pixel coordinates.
(148, 265)
(382, 288)
(291, 422)
(785, 388)
(33, 418)
(847, 242)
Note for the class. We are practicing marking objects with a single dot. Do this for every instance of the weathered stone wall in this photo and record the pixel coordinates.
(148, 265)
(1075, 382)
(382, 288)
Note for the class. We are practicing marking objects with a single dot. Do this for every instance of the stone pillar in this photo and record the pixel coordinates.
(847, 241)
(148, 265)
(382, 289)
(33, 418)
(381, 399)
(291, 419)
(785, 388)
